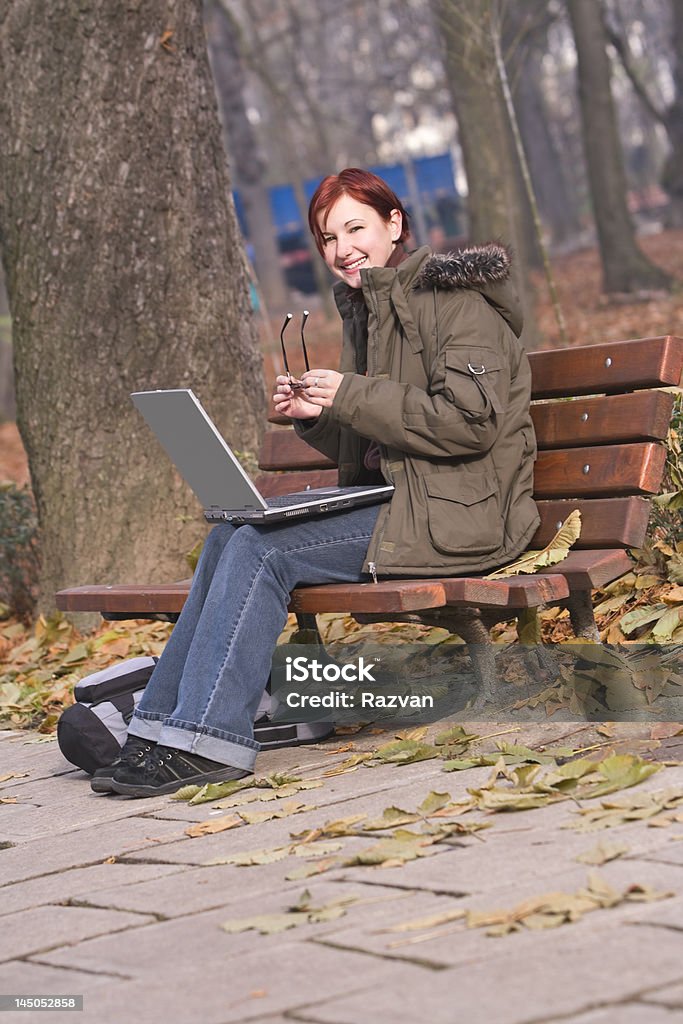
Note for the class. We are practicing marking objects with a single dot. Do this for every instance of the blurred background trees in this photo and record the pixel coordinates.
(306, 87)
(394, 82)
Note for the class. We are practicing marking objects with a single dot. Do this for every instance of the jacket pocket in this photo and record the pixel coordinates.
(472, 377)
(463, 512)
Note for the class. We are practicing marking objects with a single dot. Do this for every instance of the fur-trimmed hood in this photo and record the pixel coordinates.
(482, 268)
(467, 268)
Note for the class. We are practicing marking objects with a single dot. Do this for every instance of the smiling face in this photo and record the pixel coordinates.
(356, 237)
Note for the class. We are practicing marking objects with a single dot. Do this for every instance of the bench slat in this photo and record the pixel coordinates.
(514, 592)
(583, 370)
(138, 600)
(284, 449)
(586, 570)
(605, 522)
(612, 470)
(641, 416)
(399, 596)
(387, 596)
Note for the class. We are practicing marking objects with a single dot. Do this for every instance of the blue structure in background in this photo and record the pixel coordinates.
(439, 201)
(434, 174)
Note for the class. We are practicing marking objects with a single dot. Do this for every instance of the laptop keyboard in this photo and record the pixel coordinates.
(283, 500)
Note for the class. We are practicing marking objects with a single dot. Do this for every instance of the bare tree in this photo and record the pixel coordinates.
(625, 267)
(495, 199)
(525, 39)
(668, 115)
(248, 159)
(125, 271)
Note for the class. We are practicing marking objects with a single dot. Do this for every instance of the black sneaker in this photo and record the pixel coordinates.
(168, 769)
(133, 753)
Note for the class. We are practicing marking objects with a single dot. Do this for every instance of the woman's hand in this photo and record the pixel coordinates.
(320, 386)
(293, 402)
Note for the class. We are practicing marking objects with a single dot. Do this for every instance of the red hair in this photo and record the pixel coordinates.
(363, 186)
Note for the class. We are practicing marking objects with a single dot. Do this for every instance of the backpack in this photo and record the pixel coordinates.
(92, 731)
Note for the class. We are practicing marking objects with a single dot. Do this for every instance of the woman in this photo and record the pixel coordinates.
(433, 396)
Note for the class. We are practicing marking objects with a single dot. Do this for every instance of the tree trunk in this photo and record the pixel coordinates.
(556, 200)
(8, 409)
(672, 174)
(247, 159)
(495, 203)
(125, 271)
(625, 267)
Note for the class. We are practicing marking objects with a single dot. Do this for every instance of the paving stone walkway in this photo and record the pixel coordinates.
(109, 898)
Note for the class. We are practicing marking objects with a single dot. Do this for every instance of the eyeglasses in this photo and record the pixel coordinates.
(294, 382)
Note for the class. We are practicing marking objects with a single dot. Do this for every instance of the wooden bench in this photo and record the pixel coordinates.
(599, 425)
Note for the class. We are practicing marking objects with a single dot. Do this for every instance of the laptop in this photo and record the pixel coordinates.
(208, 465)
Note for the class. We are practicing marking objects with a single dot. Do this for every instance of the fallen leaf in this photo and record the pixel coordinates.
(431, 921)
(216, 790)
(417, 734)
(455, 735)
(554, 551)
(434, 802)
(266, 924)
(316, 867)
(557, 908)
(303, 912)
(621, 771)
(349, 765)
(602, 853)
(332, 829)
(284, 810)
(401, 847)
(392, 817)
(460, 764)
(659, 731)
(207, 828)
(405, 752)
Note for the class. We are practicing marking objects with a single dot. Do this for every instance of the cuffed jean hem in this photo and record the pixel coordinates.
(146, 728)
(240, 753)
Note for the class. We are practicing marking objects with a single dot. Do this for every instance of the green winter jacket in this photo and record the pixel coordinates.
(446, 394)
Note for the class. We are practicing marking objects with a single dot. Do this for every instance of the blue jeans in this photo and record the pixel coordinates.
(205, 690)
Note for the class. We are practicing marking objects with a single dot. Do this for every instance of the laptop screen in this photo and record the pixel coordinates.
(198, 451)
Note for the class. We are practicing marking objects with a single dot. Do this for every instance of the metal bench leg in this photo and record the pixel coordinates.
(307, 633)
(536, 656)
(580, 605)
(469, 625)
